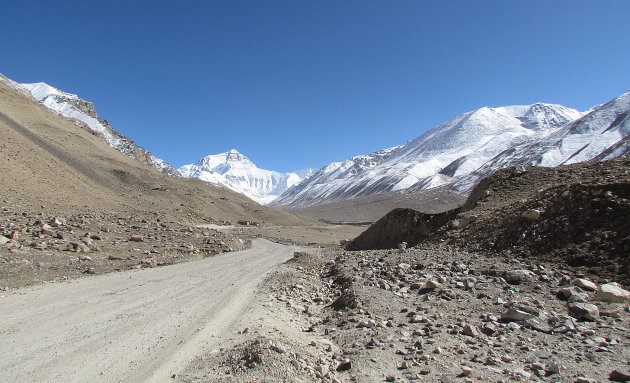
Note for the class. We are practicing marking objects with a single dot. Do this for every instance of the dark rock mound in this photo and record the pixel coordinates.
(576, 215)
(398, 226)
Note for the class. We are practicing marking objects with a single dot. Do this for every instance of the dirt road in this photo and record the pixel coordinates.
(135, 326)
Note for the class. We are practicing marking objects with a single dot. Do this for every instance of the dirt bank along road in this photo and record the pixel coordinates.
(134, 326)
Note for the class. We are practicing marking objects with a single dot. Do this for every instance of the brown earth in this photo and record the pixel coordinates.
(71, 206)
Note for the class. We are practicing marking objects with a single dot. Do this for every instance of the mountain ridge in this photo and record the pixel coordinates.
(437, 157)
(84, 114)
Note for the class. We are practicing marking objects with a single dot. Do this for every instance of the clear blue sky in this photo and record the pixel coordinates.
(296, 84)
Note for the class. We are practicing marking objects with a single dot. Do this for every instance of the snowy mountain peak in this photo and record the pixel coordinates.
(224, 161)
(237, 172)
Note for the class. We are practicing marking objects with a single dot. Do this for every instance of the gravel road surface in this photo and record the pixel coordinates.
(135, 326)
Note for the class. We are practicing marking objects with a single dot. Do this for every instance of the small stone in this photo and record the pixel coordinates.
(553, 368)
(584, 311)
(584, 284)
(344, 366)
(136, 238)
(467, 371)
(280, 349)
(568, 292)
(611, 292)
(538, 325)
(85, 258)
(514, 326)
(531, 214)
(470, 330)
(390, 378)
(579, 298)
(432, 285)
(516, 315)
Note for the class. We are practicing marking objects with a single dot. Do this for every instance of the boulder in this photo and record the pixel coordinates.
(613, 293)
(585, 311)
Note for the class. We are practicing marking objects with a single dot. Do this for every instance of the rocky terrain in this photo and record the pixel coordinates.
(470, 302)
(527, 281)
(38, 247)
(428, 315)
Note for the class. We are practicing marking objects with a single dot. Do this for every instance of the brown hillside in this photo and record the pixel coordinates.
(48, 160)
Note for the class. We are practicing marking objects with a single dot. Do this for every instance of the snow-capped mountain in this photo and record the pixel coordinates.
(442, 155)
(235, 171)
(84, 114)
(601, 134)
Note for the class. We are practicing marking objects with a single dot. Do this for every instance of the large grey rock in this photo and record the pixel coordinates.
(613, 293)
(584, 311)
(584, 284)
(516, 277)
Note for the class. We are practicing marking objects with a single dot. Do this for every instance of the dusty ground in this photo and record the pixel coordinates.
(36, 247)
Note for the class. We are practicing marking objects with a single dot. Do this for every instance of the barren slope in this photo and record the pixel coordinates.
(50, 161)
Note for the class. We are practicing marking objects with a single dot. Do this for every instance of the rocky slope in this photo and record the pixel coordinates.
(237, 172)
(527, 282)
(84, 114)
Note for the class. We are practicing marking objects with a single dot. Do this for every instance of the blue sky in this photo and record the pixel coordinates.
(295, 84)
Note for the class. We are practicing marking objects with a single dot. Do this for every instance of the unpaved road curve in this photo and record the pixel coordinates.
(133, 326)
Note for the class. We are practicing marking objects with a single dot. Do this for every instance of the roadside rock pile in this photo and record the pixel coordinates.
(434, 315)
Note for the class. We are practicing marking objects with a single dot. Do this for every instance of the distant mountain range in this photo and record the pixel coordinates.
(470, 146)
(235, 171)
(455, 154)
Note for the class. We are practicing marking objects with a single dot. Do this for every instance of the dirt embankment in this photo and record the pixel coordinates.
(576, 214)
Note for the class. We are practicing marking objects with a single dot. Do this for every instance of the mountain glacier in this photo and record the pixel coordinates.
(235, 171)
(84, 114)
(469, 146)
